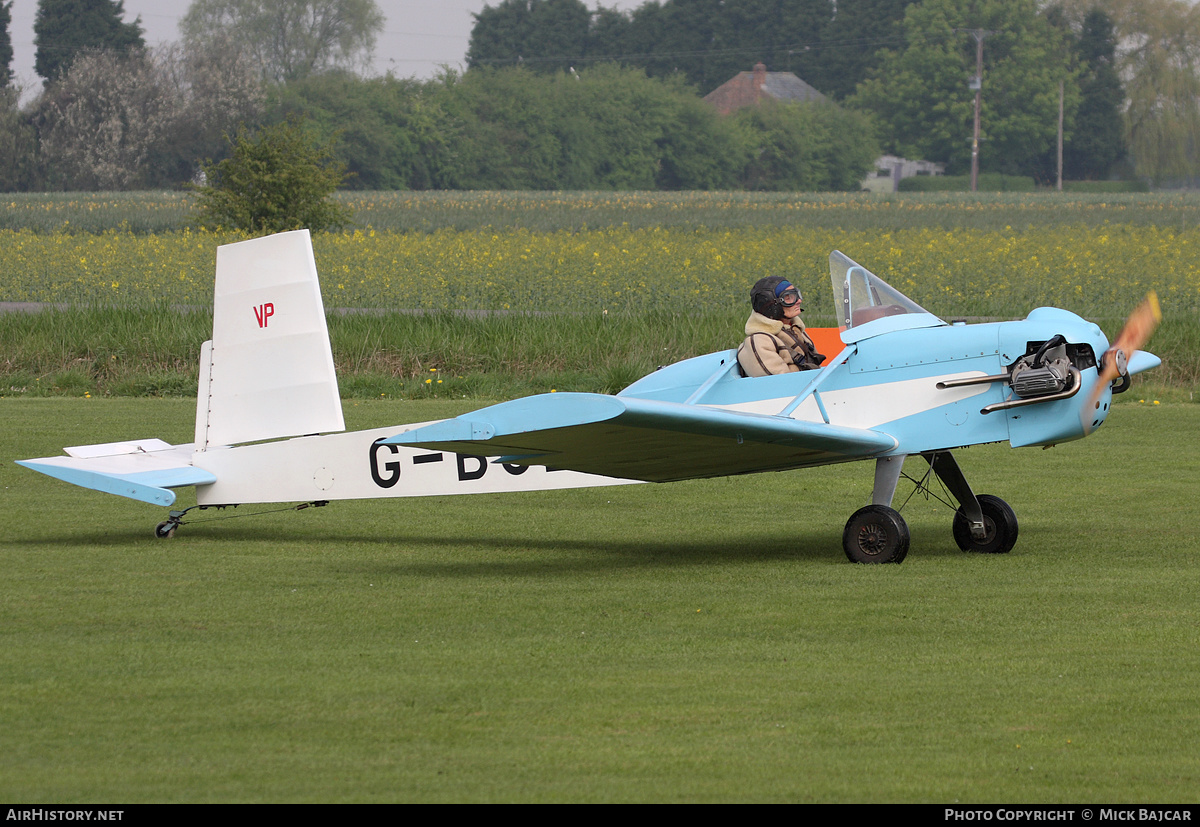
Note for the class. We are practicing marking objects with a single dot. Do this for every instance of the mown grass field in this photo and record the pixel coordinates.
(691, 642)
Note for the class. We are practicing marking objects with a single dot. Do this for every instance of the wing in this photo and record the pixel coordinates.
(643, 439)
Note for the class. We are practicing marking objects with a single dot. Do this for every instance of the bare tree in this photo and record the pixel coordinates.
(220, 91)
(289, 39)
(103, 118)
(117, 121)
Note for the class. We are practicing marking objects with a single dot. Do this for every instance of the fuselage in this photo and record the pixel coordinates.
(887, 379)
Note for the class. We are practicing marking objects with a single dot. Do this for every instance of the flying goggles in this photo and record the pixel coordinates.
(788, 296)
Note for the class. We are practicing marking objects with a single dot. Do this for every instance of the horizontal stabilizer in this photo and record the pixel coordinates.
(108, 449)
(144, 475)
(643, 439)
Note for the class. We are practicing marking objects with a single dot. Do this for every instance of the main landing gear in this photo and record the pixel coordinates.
(878, 534)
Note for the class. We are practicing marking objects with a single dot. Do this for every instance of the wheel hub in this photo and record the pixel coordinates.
(989, 530)
(872, 539)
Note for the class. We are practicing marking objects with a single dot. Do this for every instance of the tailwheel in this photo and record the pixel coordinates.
(166, 529)
(875, 534)
(1000, 527)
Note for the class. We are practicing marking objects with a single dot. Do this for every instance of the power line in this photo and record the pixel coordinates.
(814, 46)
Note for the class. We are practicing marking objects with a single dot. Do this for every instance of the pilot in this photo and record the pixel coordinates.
(775, 337)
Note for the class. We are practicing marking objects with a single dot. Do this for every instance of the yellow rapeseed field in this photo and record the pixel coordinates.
(1095, 271)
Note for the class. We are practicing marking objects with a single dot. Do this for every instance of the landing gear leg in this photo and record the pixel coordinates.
(983, 524)
(877, 533)
(887, 475)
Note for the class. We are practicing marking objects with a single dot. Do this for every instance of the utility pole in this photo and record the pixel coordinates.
(977, 85)
(1058, 186)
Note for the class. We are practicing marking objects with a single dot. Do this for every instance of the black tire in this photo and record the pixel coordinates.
(165, 531)
(998, 519)
(875, 534)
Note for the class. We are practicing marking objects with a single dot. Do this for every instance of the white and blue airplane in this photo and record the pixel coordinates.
(269, 426)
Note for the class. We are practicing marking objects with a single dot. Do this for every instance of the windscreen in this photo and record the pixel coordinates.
(860, 296)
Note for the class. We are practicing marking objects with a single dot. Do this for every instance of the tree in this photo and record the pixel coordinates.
(101, 120)
(620, 130)
(700, 150)
(678, 36)
(852, 42)
(6, 50)
(1161, 62)
(504, 128)
(613, 128)
(546, 35)
(605, 127)
(64, 28)
(784, 34)
(289, 39)
(920, 95)
(18, 144)
(216, 88)
(806, 147)
(144, 119)
(709, 41)
(607, 34)
(380, 126)
(1098, 140)
(1157, 58)
(274, 181)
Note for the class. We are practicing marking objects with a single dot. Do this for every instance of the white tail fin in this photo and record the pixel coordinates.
(269, 372)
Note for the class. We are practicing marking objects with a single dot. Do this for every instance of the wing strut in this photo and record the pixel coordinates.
(811, 390)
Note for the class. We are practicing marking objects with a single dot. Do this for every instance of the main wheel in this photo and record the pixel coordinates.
(1000, 525)
(875, 534)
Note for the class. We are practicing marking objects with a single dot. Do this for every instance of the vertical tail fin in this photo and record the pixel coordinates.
(268, 371)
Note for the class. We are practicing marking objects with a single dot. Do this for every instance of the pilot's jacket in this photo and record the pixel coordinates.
(773, 347)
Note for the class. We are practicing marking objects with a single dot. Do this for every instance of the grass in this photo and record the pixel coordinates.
(701, 641)
(155, 352)
(158, 212)
(575, 211)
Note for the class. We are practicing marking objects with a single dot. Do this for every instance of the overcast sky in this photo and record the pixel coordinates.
(418, 37)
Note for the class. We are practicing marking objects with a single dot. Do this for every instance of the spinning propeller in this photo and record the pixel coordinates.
(1130, 340)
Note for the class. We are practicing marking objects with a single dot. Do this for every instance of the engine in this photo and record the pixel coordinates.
(1046, 368)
